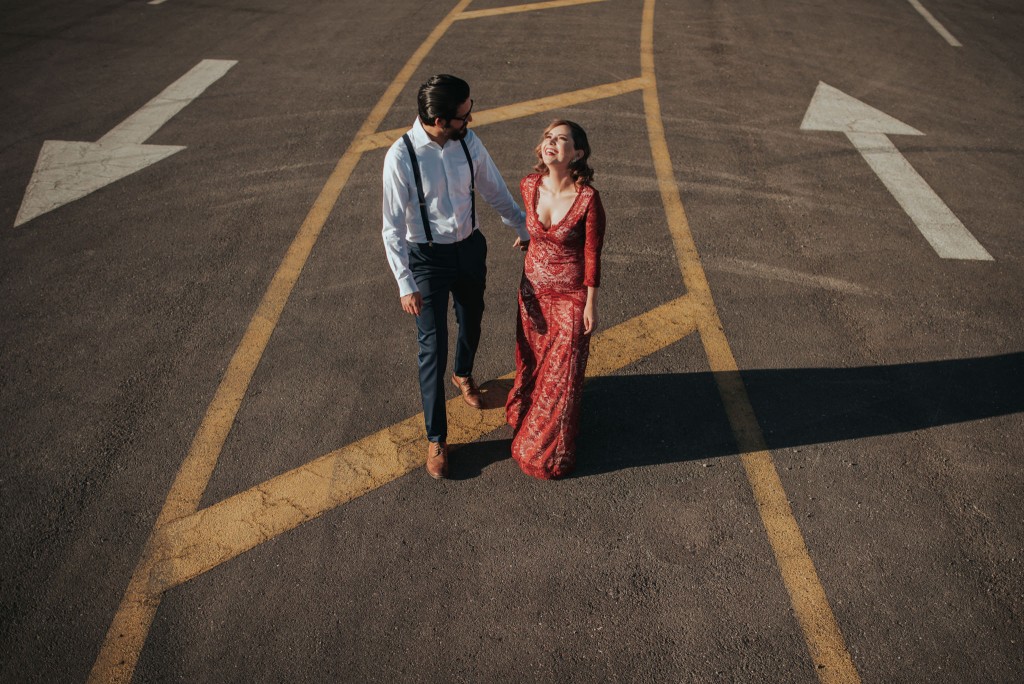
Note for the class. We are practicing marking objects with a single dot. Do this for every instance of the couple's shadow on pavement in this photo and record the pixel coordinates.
(639, 420)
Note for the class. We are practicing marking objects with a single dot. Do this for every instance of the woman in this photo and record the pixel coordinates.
(557, 302)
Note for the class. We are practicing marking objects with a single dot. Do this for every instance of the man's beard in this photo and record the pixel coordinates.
(457, 133)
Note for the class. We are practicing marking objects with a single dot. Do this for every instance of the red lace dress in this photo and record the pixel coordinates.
(543, 407)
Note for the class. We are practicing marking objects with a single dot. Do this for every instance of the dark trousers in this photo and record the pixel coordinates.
(459, 269)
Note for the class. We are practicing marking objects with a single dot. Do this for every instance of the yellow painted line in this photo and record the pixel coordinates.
(833, 663)
(127, 634)
(528, 7)
(200, 542)
(186, 543)
(519, 110)
(124, 640)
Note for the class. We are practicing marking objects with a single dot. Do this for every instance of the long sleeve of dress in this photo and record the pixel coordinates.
(593, 242)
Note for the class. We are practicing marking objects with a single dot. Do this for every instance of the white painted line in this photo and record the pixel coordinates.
(935, 23)
(868, 129)
(156, 2)
(833, 110)
(67, 171)
(943, 230)
(175, 97)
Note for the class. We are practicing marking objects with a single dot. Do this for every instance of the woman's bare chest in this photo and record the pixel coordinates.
(553, 208)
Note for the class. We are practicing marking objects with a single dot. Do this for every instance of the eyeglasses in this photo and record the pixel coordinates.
(463, 119)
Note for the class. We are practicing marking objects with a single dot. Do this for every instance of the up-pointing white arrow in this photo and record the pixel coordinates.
(867, 128)
(66, 171)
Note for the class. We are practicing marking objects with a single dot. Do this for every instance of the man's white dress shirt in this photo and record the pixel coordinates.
(446, 180)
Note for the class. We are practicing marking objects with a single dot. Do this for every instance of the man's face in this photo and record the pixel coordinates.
(458, 125)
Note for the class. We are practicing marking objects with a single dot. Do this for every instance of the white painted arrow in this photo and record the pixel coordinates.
(66, 171)
(867, 128)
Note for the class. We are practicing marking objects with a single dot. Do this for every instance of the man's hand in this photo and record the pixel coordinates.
(412, 303)
(521, 244)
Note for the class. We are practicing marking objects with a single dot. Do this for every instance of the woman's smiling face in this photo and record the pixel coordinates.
(557, 146)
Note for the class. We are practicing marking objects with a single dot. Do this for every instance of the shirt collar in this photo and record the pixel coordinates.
(419, 137)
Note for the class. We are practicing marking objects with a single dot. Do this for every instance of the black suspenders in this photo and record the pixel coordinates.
(472, 181)
(419, 186)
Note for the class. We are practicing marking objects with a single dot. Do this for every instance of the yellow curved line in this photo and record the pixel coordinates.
(175, 550)
(381, 139)
(200, 542)
(833, 663)
(127, 634)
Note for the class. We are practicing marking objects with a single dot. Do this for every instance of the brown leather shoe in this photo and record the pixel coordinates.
(470, 392)
(437, 460)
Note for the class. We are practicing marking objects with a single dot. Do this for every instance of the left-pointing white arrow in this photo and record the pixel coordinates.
(66, 171)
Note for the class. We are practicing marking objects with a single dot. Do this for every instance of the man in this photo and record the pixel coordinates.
(433, 245)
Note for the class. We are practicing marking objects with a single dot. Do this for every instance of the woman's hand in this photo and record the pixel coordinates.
(590, 311)
(521, 244)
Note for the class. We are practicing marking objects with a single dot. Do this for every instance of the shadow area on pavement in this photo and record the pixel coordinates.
(631, 421)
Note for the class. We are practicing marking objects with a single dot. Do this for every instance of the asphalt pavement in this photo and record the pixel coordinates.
(819, 479)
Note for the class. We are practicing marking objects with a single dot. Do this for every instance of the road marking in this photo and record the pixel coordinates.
(940, 226)
(124, 640)
(166, 558)
(833, 110)
(521, 109)
(195, 544)
(175, 97)
(833, 663)
(759, 270)
(528, 7)
(867, 128)
(67, 171)
(935, 23)
(127, 634)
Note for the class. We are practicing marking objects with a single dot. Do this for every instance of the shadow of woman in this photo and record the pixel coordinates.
(631, 421)
(640, 420)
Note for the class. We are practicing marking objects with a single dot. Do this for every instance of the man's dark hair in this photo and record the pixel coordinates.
(440, 97)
